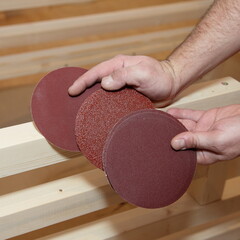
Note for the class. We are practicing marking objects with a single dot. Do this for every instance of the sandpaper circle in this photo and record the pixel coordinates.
(54, 111)
(140, 164)
(99, 113)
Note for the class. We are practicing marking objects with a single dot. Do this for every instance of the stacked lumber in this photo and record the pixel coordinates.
(47, 193)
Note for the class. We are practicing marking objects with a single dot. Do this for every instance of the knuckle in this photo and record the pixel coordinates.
(119, 56)
(145, 60)
(191, 140)
(120, 74)
(196, 141)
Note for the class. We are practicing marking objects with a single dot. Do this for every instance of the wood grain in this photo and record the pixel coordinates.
(60, 29)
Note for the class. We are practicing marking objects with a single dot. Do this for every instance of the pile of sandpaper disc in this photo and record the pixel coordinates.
(119, 132)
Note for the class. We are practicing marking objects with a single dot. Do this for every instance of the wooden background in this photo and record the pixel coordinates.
(39, 36)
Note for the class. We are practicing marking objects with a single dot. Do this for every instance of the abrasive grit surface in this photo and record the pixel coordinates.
(140, 164)
(99, 113)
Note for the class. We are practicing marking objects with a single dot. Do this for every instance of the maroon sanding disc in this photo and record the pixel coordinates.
(54, 111)
(140, 164)
(99, 113)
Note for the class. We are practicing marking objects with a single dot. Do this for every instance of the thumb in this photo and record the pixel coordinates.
(110, 83)
(121, 77)
(199, 140)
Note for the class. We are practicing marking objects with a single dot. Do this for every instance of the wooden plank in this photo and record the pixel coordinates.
(194, 222)
(228, 230)
(53, 202)
(78, 9)
(233, 168)
(42, 175)
(89, 53)
(212, 91)
(23, 148)
(6, 5)
(210, 187)
(56, 30)
(111, 226)
(45, 204)
(73, 5)
(150, 224)
(231, 188)
(221, 230)
(14, 105)
(15, 140)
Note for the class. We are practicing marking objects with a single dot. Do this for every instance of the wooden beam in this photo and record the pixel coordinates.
(231, 188)
(233, 168)
(45, 204)
(114, 225)
(42, 175)
(6, 5)
(208, 94)
(56, 30)
(210, 182)
(89, 53)
(222, 229)
(36, 207)
(23, 148)
(15, 140)
(151, 223)
(210, 187)
(226, 230)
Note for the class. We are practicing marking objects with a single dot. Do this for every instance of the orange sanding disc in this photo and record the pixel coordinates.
(54, 111)
(140, 164)
(99, 113)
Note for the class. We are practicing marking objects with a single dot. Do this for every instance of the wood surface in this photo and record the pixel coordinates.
(42, 61)
(60, 195)
(83, 193)
(65, 8)
(6, 5)
(59, 29)
(209, 188)
(151, 224)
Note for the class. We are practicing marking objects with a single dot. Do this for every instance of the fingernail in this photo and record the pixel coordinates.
(107, 81)
(179, 144)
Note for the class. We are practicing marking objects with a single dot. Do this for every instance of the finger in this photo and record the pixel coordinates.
(185, 113)
(95, 74)
(198, 140)
(188, 124)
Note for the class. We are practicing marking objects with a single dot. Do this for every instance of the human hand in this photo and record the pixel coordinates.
(154, 79)
(214, 133)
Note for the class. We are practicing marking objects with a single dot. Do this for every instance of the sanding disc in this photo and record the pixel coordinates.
(54, 111)
(99, 113)
(140, 164)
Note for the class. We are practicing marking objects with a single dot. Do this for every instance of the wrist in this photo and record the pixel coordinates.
(185, 70)
(175, 71)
